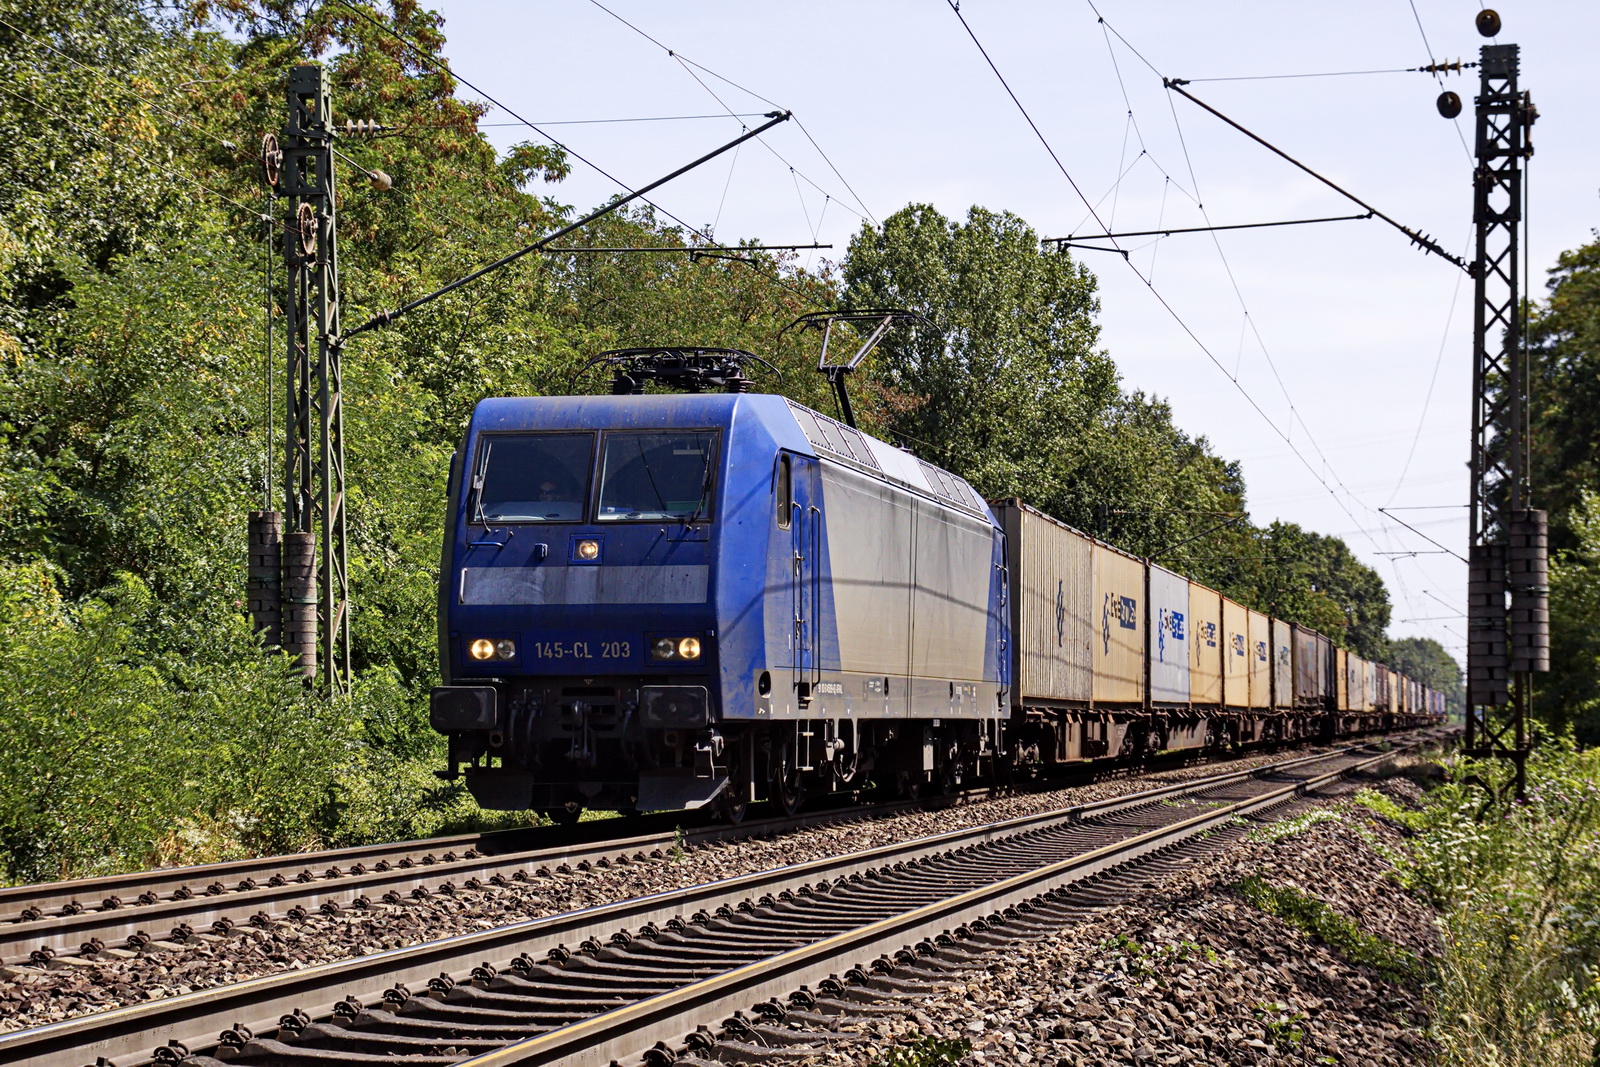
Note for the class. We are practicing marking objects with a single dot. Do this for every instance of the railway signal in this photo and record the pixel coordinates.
(1508, 617)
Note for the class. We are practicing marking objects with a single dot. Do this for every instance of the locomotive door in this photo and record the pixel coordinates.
(805, 529)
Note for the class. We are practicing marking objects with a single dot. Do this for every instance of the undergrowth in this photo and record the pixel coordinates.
(926, 1051)
(1315, 918)
(1517, 886)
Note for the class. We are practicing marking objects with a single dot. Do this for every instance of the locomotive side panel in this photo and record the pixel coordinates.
(950, 600)
(869, 532)
(1206, 645)
(1117, 648)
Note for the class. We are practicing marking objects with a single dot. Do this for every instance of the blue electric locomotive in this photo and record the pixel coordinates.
(674, 600)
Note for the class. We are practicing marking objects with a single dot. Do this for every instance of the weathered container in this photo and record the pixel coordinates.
(1341, 680)
(1309, 681)
(1381, 693)
(1167, 629)
(1205, 646)
(1369, 686)
(1260, 638)
(1052, 621)
(1353, 688)
(1117, 647)
(1235, 654)
(1282, 665)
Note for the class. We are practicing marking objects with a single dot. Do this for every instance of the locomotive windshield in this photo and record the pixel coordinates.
(655, 476)
(534, 477)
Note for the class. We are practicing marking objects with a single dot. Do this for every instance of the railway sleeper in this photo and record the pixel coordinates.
(377, 1019)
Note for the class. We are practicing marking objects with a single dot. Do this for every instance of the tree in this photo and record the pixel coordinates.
(1008, 389)
(1426, 660)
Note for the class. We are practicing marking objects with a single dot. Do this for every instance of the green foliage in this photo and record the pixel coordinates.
(1299, 824)
(1383, 805)
(1569, 696)
(1518, 891)
(1426, 660)
(1313, 917)
(926, 1051)
(1564, 407)
(146, 723)
(1284, 1028)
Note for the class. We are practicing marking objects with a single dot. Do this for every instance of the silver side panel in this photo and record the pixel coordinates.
(869, 524)
(950, 600)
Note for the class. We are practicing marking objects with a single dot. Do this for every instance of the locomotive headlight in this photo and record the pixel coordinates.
(689, 648)
(505, 648)
(587, 549)
(663, 648)
(482, 648)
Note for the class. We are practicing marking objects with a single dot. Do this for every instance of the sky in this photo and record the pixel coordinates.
(1332, 360)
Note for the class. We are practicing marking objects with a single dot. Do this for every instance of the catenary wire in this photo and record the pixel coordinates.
(1249, 319)
(750, 92)
(686, 63)
(441, 65)
(1182, 324)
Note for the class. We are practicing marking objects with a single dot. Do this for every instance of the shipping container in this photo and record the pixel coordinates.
(1235, 654)
(1167, 630)
(1282, 666)
(1052, 622)
(1354, 672)
(1117, 645)
(1260, 637)
(1341, 674)
(1381, 697)
(1309, 680)
(1369, 686)
(1205, 646)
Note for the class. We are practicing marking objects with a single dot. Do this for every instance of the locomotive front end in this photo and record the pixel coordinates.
(578, 634)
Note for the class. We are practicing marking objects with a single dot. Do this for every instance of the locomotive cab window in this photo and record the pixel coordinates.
(649, 477)
(533, 477)
(784, 493)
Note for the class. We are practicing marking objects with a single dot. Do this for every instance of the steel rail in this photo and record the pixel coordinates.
(157, 905)
(200, 879)
(627, 1032)
(259, 1003)
(317, 888)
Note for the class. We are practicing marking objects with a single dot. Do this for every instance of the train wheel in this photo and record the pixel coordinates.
(566, 815)
(908, 785)
(733, 802)
(787, 792)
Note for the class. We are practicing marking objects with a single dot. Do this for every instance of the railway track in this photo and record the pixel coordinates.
(607, 982)
(130, 912)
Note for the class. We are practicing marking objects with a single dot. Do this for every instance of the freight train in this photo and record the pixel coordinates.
(671, 601)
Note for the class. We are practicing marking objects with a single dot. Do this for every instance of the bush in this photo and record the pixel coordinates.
(1518, 889)
(119, 755)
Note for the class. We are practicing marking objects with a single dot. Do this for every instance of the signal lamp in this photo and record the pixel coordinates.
(663, 648)
(482, 648)
(505, 648)
(689, 648)
(587, 550)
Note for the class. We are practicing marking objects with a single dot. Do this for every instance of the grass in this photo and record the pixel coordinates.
(926, 1052)
(1316, 919)
(1517, 887)
(1277, 831)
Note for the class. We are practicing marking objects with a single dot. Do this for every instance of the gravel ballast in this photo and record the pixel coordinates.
(31, 996)
(1186, 967)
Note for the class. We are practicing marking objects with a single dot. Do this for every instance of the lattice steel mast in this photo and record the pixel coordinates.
(1507, 595)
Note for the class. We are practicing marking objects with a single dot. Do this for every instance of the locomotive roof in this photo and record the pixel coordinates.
(791, 425)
